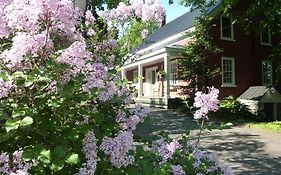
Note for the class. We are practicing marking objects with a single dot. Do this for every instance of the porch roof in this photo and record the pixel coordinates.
(155, 56)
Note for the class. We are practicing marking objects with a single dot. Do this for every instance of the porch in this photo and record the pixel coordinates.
(153, 77)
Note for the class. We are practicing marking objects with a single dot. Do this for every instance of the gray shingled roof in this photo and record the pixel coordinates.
(262, 94)
(174, 27)
(254, 93)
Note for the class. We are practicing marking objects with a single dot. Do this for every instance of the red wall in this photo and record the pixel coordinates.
(248, 54)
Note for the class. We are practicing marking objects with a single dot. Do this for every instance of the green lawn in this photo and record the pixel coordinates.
(273, 126)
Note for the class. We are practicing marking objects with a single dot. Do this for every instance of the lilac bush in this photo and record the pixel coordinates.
(64, 108)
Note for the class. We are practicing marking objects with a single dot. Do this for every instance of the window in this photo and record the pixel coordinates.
(266, 73)
(227, 28)
(265, 36)
(228, 72)
(173, 73)
(135, 76)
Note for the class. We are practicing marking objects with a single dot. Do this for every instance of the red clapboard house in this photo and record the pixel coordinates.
(246, 70)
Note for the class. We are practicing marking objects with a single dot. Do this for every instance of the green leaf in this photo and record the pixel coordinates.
(57, 165)
(29, 153)
(45, 156)
(4, 137)
(12, 124)
(27, 121)
(73, 159)
(18, 113)
(29, 81)
(4, 76)
(18, 74)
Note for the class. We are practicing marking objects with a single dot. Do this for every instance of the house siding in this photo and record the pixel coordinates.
(248, 54)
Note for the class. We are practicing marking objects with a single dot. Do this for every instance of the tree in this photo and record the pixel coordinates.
(197, 54)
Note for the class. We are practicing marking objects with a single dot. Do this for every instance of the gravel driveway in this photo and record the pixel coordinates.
(246, 150)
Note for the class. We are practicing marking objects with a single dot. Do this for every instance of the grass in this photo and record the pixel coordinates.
(272, 126)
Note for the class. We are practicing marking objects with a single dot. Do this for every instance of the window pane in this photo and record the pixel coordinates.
(173, 72)
(226, 27)
(267, 73)
(227, 71)
(265, 35)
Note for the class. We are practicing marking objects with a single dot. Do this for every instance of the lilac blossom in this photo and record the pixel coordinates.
(90, 150)
(15, 165)
(144, 33)
(121, 116)
(131, 123)
(147, 11)
(138, 115)
(28, 15)
(91, 32)
(90, 19)
(206, 102)
(24, 44)
(117, 148)
(177, 170)
(5, 87)
(204, 156)
(166, 150)
(75, 55)
(4, 29)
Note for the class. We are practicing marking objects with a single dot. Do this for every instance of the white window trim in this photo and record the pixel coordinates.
(171, 81)
(232, 30)
(263, 43)
(271, 78)
(232, 84)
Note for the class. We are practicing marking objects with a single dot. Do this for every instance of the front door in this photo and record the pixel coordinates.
(151, 82)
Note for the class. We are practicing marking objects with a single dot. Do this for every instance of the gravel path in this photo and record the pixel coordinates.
(246, 150)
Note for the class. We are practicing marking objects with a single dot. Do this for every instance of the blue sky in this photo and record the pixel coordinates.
(173, 11)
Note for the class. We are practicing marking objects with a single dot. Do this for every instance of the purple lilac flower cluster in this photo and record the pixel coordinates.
(5, 88)
(4, 29)
(14, 166)
(206, 102)
(24, 44)
(137, 116)
(118, 148)
(166, 150)
(148, 10)
(177, 170)
(75, 55)
(90, 150)
(28, 15)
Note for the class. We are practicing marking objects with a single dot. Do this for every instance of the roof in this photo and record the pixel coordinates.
(174, 27)
(254, 93)
(263, 94)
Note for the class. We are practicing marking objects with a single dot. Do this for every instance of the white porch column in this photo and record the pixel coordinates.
(140, 79)
(167, 77)
(123, 74)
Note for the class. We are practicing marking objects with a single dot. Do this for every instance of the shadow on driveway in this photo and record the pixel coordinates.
(247, 151)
